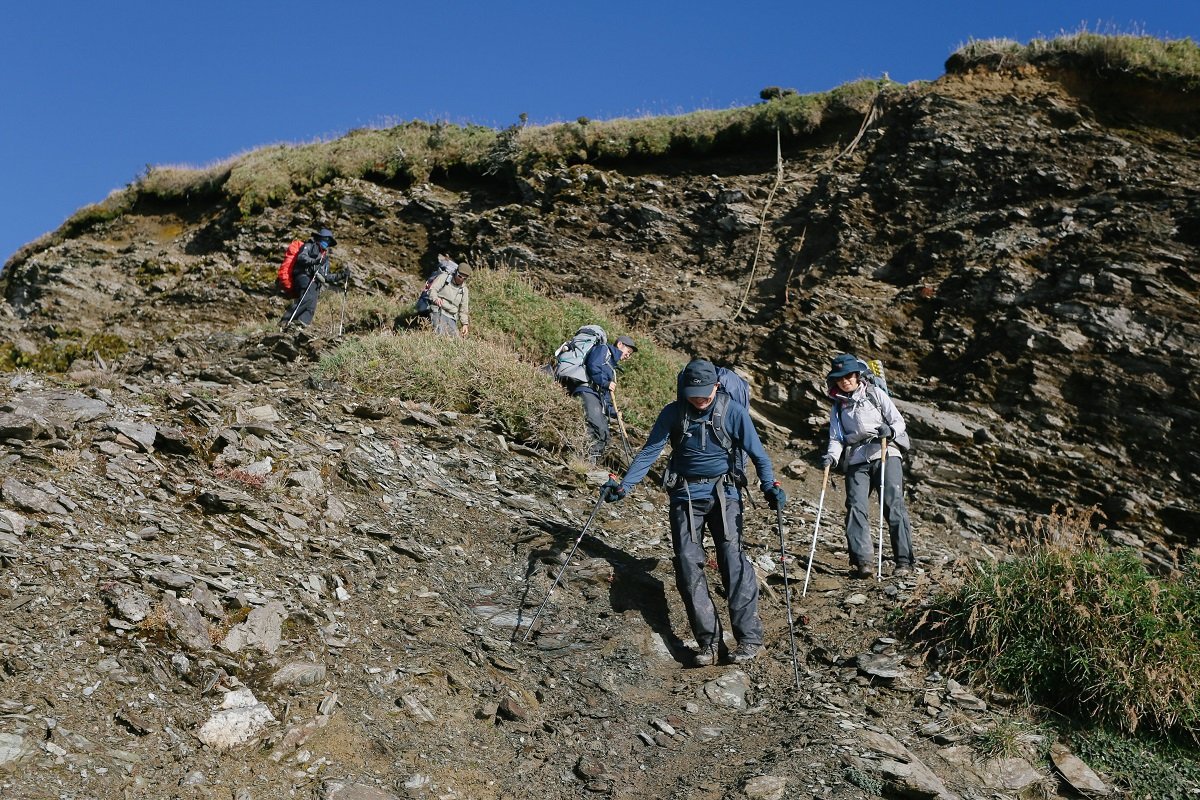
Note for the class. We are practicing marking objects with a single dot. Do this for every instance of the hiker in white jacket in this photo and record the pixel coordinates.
(862, 416)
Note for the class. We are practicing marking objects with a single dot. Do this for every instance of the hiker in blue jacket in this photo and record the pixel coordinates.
(601, 365)
(704, 477)
(862, 416)
(309, 274)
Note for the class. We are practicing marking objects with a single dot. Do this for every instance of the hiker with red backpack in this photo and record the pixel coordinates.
(862, 420)
(601, 365)
(307, 273)
(708, 430)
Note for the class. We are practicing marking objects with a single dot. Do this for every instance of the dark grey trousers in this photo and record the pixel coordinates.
(688, 521)
(305, 305)
(860, 480)
(596, 418)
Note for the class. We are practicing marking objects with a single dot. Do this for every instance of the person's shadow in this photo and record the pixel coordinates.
(634, 586)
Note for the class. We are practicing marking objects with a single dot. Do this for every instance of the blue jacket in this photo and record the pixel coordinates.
(700, 455)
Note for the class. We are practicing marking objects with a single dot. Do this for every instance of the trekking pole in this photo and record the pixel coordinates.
(787, 594)
(621, 425)
(299, 303)
(345, 291)
(816, 530)
(599, 502)
(882, 469)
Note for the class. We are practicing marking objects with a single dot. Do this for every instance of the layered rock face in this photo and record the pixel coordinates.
(1017, 247)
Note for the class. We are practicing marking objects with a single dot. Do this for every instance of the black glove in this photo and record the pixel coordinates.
(612, 491)
(776, 497)
(826, 461)
(885, 431)
(338, 278)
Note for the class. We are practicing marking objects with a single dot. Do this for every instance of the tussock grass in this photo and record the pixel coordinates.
(1172, 63)
(515, 329)
(507, 308)
(1080, 627)
(472, 375)
(364, 312)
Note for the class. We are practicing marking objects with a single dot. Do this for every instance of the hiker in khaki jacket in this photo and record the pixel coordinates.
(451, 302)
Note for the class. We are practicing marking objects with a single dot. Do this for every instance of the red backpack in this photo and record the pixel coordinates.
(284, 275)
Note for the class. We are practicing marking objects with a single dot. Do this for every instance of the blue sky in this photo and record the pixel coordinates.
(96, 91)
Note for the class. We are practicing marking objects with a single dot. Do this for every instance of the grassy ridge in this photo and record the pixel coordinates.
(1171, 63)
(414, 151)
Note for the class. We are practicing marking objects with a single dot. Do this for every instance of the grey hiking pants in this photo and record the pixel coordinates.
(596, 417)
(304, 306)
(860, 480)
(688, 520)
(443, 323)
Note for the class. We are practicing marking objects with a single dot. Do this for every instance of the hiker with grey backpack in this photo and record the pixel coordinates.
(595, 392)
(708, 432)
(307, 273)
(447, 299)
(862, 422)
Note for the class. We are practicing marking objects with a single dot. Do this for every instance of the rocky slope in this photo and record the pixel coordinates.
(226, 579)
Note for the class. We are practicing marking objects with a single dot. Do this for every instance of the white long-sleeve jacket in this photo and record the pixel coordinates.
(854, 423)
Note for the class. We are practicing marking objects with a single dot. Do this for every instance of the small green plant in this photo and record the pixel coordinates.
(1145, 767)
(1011, 737)
(868, 783)
(1079, 627)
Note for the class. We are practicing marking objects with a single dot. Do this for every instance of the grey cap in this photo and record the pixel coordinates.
(697, 379)
(628, 342)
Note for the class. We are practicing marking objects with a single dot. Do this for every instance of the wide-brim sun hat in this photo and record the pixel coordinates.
(844, 365)
(325, 233)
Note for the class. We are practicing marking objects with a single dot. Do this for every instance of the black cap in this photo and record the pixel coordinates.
(845, 365)
(628, 342)
(697, 379)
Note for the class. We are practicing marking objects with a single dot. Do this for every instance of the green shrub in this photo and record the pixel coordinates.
(1143, 766)
(1080, 627)
(471, 374)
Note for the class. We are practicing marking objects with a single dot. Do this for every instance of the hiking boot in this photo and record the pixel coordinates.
(902, 571)
(705, 656)
(746, 651)
(862, 572)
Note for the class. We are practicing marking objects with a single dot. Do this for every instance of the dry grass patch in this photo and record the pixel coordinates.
(472, 375)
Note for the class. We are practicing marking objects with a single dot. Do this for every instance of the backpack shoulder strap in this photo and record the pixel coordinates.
(719, 413)
(874, 398)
